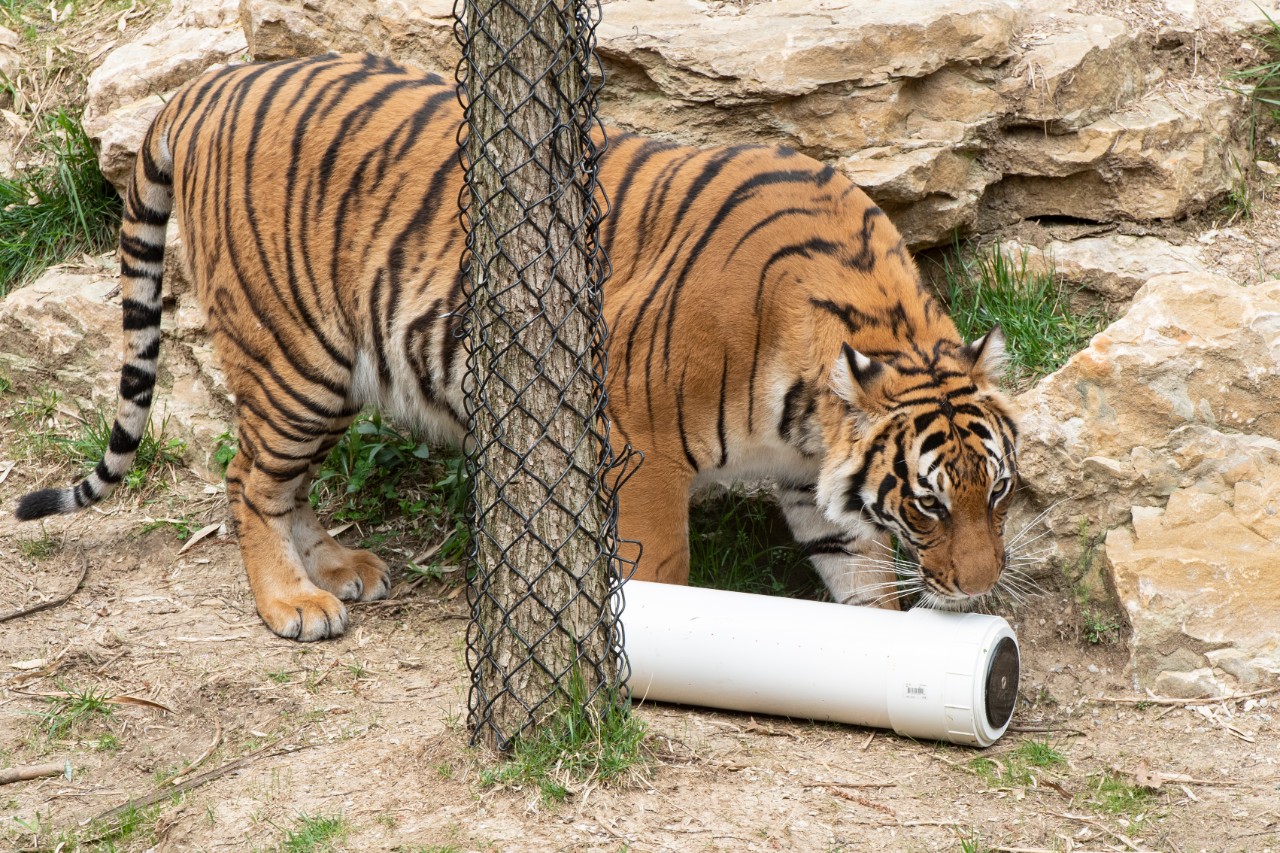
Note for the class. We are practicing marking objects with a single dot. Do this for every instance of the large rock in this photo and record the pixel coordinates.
(728, 54)
(66, 325)
(1200, 580)
(419, 31)
(1164, 158)
(1078, 69)
(1174, 407)
(1109, 269)
(955, 116)
(126, 91)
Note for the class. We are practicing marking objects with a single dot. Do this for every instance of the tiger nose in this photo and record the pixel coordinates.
(973, 588)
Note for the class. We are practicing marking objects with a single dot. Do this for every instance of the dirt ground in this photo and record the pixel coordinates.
(371, 728)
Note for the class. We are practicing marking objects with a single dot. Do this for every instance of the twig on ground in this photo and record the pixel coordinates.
(1097, 824)
(849, 785)
(34, 771)
(1167, 700)
(1208, 714)
(53, 602)
(204, 756)
(1041, 850)
(1032, 727)
(107, 820)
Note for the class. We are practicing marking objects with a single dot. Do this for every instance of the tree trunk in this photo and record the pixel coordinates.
(540, 613)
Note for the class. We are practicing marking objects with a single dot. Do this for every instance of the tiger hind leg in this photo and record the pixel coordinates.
(262, 490)
(348, 573)
(856, 569)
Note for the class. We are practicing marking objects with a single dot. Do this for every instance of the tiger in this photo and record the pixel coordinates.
(766, 323)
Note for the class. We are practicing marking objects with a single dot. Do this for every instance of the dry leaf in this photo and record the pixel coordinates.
(18, 122)
(1145, 778)
(34, 663)
(140, 702)
(200, 534)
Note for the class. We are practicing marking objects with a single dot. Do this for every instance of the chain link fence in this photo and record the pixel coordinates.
(545, 591)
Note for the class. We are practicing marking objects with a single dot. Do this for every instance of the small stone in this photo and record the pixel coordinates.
(1195, 684)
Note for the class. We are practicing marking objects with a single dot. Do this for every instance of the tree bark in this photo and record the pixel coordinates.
(540, 612)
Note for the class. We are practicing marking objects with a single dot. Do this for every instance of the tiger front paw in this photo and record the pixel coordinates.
(306, 616)
(353, 576)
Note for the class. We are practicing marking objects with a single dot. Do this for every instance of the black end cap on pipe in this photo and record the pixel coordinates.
(1002, 683)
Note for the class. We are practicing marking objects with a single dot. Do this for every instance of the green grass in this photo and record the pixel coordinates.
(1238, 203)
(181, 527)
(971, 842)
(583, 742)
(314, 834)
(155, 453)
(378, 476)
(41, 407)
(1100, 627)
(1264, 80)
(106, 743)
(225, 447)
(49, 213)
(67, 713)
(359, 479)
(1113, 794)
(984, 287)
(39, 548)
(740, 542)
(1018, 768)
(125, 832)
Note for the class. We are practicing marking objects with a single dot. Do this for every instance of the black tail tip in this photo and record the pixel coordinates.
(39, 504)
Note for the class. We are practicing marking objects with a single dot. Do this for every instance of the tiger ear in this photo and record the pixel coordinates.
(987, 355)
(855, 376)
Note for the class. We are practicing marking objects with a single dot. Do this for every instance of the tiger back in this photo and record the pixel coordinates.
(766, 321)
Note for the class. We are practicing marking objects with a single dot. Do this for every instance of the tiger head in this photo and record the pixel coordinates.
(926, 451)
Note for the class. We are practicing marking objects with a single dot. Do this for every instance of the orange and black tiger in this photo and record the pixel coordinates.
(766, 321)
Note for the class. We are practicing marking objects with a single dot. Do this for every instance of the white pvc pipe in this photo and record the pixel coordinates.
(923, 673)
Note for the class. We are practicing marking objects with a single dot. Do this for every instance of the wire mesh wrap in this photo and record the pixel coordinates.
(545, 592)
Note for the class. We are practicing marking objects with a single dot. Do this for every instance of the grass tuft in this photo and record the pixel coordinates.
(380, 477)
(39, 548)
(1019, 767)
(359, 478)
(985, 287)
(66, 713)
(48, 213)
(1113, 794)
(1100, 627)
(155, 453)
(1264, 80)
(314, 834)
(602, 741)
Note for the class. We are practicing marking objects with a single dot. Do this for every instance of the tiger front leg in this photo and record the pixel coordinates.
(653, 510)
(350, 574)
(857, 567)
(264, 508)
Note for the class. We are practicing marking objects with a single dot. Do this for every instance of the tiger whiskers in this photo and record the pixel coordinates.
(1014, 541)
